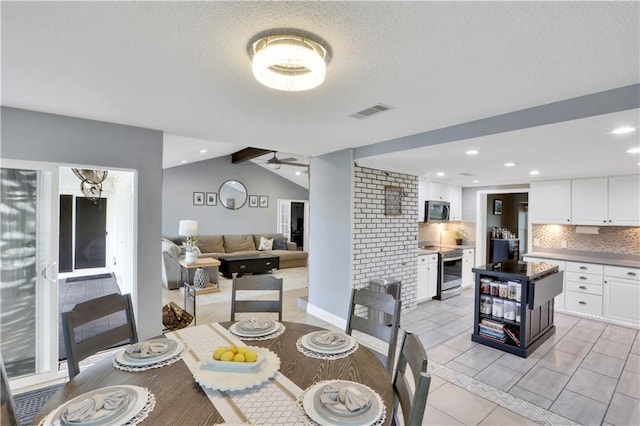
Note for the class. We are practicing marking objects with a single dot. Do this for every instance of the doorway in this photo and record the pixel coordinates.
(505, 209)
(293, 221)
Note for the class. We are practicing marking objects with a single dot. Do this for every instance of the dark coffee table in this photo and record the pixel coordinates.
(248, 264)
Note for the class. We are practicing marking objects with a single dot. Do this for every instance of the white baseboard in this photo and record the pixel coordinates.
(332, 319)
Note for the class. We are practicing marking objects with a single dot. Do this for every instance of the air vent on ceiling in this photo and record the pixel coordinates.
(466, 174)
(371, 111)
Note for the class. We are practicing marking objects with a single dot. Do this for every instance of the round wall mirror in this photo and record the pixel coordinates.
(233, 194)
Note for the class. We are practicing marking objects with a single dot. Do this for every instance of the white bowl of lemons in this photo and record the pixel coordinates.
(234, 358)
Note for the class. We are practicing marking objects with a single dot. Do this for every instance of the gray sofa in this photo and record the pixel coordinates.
(219, 245)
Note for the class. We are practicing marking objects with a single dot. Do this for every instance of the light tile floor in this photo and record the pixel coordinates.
(588, 372)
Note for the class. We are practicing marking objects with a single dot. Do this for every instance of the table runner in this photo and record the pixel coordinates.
(273, 402)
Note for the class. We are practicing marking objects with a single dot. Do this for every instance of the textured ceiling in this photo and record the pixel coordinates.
(182, 67)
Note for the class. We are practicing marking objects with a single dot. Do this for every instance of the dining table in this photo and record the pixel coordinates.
(179, 399)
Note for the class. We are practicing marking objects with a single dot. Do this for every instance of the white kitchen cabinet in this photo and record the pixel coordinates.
(467, 266)
(455, 198)
(561, 264)
(438, 191)
(624, 200)
(583, 288)
(427, 277)
(589, 201)
(550, 201)
(622, 294)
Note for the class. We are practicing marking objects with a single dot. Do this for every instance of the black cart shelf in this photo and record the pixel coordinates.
(540, 283)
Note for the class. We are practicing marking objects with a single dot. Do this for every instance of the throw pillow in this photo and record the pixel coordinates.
(265, 244)
(280, 244)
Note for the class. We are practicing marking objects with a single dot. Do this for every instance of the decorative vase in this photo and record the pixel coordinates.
(190, 257)
(200, 278)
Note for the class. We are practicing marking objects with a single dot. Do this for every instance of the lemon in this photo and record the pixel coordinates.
(233, 348)
(218, 353)
(238, 358)
(250, 356)
(227, 356)
(243, 350)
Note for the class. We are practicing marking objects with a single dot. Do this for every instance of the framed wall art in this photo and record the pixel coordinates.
(253, 201)
(264, 201)
(497, 207)
(212, 198)
(198, 198)
(392, 201)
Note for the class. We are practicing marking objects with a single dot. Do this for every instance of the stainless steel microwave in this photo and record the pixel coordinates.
(436, 211)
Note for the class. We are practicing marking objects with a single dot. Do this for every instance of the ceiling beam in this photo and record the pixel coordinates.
(248, 154)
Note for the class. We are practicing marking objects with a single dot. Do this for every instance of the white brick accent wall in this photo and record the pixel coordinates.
(385, 246)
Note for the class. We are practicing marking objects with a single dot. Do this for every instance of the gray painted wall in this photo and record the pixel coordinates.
(179, 183)
(330, 202)
(28, 135)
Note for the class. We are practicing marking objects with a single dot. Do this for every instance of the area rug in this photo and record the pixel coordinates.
(292, 279)
(29, 403)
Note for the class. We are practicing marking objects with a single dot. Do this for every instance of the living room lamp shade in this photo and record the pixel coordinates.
(289, 62)
(188, 228)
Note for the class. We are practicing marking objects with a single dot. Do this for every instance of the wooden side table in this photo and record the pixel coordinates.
(191, 292)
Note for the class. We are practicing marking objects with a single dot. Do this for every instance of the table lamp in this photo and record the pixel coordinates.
(189, 229)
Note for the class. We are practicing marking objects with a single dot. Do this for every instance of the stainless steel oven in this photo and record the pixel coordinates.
(449, 274)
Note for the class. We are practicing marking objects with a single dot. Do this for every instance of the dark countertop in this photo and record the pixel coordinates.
(612, 259)
(511, 268)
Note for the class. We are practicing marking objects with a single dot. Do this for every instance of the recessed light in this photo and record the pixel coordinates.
(534, 172)
(509, 164)
(472, 152)
(203, 151)
(633, 151)
(183, 161)
(475, 181)
(623, 130)
(298, 173)
(440, 174)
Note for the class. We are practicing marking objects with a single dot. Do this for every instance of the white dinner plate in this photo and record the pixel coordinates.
(261, 325)
(320, 414)
(243, 333)
(315, 339)
(168, 347)
(126, 360)
(308, 344)
(137, 399)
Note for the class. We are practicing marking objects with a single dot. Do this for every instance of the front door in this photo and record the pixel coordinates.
(28, 279)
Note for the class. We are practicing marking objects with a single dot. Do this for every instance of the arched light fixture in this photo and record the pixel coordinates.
(289, 60)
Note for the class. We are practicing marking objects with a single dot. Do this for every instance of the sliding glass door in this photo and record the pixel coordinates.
(28, 278)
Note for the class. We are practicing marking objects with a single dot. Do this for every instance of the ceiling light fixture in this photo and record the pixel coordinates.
(475, 181)
(509, 164)
(183, 161)
(472, 152)
(623, 130)
(203, 151)
(633, 151)
(534, 172)
(440, 174)
(289, 60)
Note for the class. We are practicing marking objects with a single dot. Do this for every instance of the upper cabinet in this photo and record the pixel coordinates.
(428, 190)
(624, 200)
(589, 201)
(550, 201)
(595, 201)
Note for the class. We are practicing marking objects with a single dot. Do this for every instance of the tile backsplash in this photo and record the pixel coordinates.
(610, 239)
(444, 233)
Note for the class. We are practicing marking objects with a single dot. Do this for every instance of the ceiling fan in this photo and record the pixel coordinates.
(290, 161)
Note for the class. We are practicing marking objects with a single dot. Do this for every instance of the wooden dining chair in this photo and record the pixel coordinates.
(256, 283)
(8, 412)
(411, 397)
(379, 316)
(79, 347)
